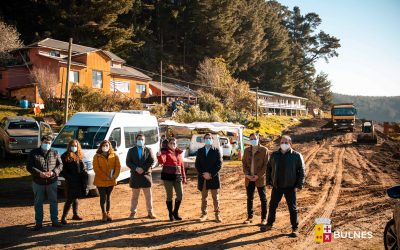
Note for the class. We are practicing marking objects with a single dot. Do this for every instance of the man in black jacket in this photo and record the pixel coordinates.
(285, 174)
(208, 164)
(140, 159)
(45, 165)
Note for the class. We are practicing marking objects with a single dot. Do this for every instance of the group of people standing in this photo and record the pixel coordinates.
(283, 171)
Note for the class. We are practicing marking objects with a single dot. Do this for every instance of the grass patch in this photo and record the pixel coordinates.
(270, 125)
(13, 168)
(7, 110)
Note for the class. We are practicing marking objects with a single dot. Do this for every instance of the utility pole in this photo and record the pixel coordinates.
(67, 83)
(161, 79)
(256, 103)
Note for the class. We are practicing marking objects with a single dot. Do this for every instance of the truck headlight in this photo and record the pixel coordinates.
(89, 165)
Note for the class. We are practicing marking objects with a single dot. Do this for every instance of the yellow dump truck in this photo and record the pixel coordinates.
(343, 116)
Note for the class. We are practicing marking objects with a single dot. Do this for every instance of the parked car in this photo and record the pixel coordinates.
(120, 128)
(226, 147)
(19, 134)
(198, 142)
(391, 235)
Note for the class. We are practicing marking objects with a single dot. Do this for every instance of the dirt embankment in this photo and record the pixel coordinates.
(345, 182)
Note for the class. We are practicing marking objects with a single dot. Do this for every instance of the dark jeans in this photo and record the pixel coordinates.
(40, 192)
(250, 197)
(290, 196)
(105, 193)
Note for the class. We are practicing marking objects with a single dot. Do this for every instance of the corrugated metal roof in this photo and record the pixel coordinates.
(113, 56)
(281, 94)
(131, 72)
(172, 89)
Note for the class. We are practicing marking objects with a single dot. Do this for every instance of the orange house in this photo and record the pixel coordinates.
(91, 67)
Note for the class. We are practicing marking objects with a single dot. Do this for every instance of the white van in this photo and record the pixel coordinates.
(197, 142)
(120, 128)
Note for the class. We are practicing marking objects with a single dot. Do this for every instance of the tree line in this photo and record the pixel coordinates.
(262, 42)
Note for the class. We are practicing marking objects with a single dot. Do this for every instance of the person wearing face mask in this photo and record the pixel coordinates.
(45, 166)
(75, 174)
(140, 159)
(106, 166)
(208, 164)
(285, 175)
(173, 175)
(255, 159)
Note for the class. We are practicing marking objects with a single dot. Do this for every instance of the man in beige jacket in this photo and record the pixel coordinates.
(255, 159)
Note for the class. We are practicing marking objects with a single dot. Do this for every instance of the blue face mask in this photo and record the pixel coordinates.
(140, 143)
(208, 141)
(254, 142)
(45, 146)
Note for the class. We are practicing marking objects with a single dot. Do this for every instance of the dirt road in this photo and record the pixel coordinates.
(345, 182)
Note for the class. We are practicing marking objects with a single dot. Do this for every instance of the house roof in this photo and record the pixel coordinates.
(76, 48)
(130, 72)
(62, 60)
(270, 93)
(171, 89)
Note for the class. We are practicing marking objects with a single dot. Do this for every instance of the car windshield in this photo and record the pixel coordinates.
(89, 137)
(223, 141)
(344, 111)
(23, 125)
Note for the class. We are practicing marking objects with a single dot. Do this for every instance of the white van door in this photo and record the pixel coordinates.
(118, 144)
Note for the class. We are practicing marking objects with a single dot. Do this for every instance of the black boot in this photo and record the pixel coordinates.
(67, 206)
(176, 210)
(75, 210)
(170, 213)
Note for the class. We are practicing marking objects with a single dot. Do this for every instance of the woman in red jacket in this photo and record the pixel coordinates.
(173, 174)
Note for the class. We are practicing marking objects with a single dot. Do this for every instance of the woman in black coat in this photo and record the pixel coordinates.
(75, 174)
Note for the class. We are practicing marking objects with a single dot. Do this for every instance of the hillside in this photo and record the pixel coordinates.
(379, 108)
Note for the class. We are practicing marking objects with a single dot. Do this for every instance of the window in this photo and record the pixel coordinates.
(74, 76)
(200, 139)
(120, 86)
(115, 65)
(97, 79)
(54, 53)
(151, 135)
(90, 137)
(23, 125)
(116, 136)
(140, 88)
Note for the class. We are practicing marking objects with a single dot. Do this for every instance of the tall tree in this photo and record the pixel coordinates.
(9, 40)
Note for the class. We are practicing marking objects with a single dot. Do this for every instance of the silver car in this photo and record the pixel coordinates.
(19, 134)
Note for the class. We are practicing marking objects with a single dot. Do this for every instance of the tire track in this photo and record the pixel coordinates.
(329, 196)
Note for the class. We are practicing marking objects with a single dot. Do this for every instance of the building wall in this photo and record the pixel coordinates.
(3, 81)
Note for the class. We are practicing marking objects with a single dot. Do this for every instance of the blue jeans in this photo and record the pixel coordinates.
(290, 196)
(39, 192)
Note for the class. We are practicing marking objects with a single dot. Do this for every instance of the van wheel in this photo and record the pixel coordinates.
(94, 192)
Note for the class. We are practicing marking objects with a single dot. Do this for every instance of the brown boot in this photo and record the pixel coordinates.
(109, 218)
(104, 219)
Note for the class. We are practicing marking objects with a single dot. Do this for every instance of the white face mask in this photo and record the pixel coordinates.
(74, 149)
(105, 148)
(285, 147)
(140, 143)
(254, 142)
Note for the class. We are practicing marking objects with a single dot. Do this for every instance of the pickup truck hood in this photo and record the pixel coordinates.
(22, 132)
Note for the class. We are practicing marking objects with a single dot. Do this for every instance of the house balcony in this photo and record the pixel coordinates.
(277, 105)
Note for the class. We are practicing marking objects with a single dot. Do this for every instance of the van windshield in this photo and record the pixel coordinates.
(89, 137)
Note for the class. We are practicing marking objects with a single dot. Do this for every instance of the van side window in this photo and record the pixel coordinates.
(116, 136)
(150, 133)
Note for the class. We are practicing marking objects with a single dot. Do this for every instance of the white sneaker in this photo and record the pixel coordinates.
(132, 216)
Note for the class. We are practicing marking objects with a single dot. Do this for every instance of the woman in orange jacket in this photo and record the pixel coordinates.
(107, 167)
